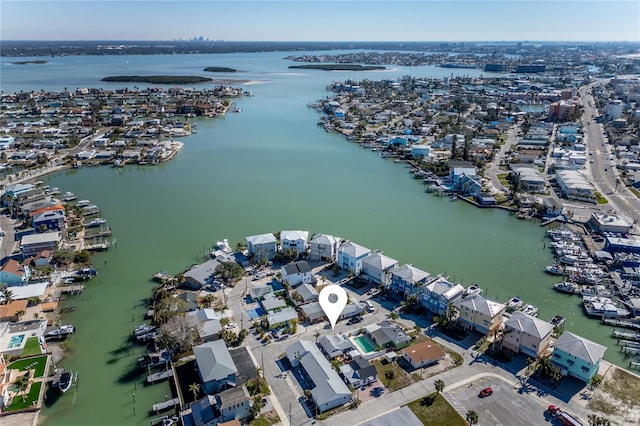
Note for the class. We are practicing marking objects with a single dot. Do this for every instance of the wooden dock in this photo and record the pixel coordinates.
(622, 323)
(72, 289)
(96, 247)
(161, 406)
(156, 377)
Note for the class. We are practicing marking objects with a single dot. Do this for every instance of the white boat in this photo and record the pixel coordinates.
(83, 203)
(567, 287)
(595, 290)
(602, 307)
(530, 310)
(95, 223)
(555, 269)
(64, 382)
(515, 302)
(69, 196)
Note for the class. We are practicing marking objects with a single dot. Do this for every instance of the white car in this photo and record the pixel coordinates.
(231, 325)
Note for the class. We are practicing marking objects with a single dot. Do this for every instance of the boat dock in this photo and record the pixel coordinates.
(96, 247)
(622, 323)
(72, 289)
(626, 335)
(156, 377)
(161, 406)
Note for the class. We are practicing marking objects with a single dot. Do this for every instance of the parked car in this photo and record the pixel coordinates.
(485, 392)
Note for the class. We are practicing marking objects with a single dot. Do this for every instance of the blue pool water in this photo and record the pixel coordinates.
(255, 313)
(365, 344)
(16, 341)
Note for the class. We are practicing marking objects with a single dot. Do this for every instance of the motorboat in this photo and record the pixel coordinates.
(530, 310)
(595, 290)
(83, 203)
(69, 196)
(567, 287)
(515, 302)
(61, 332)
(602, 307)
(64, 382)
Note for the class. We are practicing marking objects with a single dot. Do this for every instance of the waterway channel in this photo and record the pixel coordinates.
(266, 169)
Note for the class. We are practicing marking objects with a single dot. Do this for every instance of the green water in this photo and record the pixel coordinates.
(365, 344)
(264, 170)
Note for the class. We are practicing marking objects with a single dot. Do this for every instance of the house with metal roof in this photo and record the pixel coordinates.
(407, 279)
(328, 390)
(197, 276)
(258, 291)
(387, 335)
(577, 356)
(307, 293)
(206, 322)
(231, 404)
(334, 345)
(527, 334)
(476, 312)
(350, 257)
(31, 244)
(262, 246)
(313, 312)
(376, 267)
(324, 247)
(282, 318)
(359, 372)
(438, 293)
(296, 240)
(216, 368)
(271, 302)
(296, 273)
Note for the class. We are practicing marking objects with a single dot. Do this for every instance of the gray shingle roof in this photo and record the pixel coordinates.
(300, 267)
(214, 361)
(529, 325)
(580, 347)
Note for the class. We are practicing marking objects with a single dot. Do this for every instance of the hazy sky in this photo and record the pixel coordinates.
(301, 20)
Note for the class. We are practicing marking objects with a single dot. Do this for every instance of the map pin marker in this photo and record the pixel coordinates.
(332, 299)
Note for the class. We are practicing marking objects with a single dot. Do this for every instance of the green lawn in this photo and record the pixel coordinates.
(438, 413)
(18, 403)
(39, 367)
(401, 379)
(32, 347)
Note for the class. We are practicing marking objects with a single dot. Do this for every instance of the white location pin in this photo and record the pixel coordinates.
(332, 300)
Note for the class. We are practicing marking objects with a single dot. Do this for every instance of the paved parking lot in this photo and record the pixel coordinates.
(507, 405)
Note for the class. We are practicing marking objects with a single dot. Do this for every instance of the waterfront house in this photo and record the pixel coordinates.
(527, 334)
(476, 312)
(387, 335)
(262, 246)
(9, 311)
(215, 367)
(13, 273)
(334, 345)
(306, 293)
(324, 247)
(197, 276)
(48, 219)
(376, 267)
(206, 322)
(295, 240)
(327, 389)
(229, 405)
(439, 293)
(282, 318)
(312, 312)
(577, 356)
(350, 257)
(423, 354)
(296, 273)
(34, 243)
(42, 258)
(359, 372)
(407, 280)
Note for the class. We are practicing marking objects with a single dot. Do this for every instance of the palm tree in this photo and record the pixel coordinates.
(439, 384)
(22, 384)
(7, 294)
(20, 314)
(316, 335)
(472, 417)
(195, 389)
(389, 375)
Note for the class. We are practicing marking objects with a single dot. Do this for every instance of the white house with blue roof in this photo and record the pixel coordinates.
(351, 255)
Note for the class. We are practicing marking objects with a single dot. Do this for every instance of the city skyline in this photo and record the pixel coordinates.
(365, 20)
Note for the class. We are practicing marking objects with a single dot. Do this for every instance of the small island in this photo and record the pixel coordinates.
(338, 67)
(158, 79)
(38, 62)
(219, 69)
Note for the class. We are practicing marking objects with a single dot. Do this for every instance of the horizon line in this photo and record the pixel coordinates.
(325, 41)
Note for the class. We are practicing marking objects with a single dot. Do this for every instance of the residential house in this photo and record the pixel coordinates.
(439, 293)
(359, 372)
(306, 293)
(577, 356)
(324, 247)
(258, 291)
(334, 345)
(527, 334)
(206, 322)
(48, 219)
(350, 257)
(352, 309)
(376, 267)
(197, 276)
(13, 273)
(42, 258)
(407, 280)
(479, 313)
(33, 243)
(282, 318)
(216, 368)
(270, 302)
(9, 311)
(423, 354)
(261, 246)
(296, 273)
(227, 406)
(313, 312)
(328, 390)
(387, 335)
(296, 240)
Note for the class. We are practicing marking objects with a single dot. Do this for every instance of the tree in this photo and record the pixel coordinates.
(316, 335)
(7, 294)
(195, 389)
(389, 375)
(256, 406)
(22, 384)
(472, 417)
(229, 271)
(20, 314)
(439, 384)
(595, 381)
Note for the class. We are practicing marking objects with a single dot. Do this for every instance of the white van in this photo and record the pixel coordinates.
(370, 307)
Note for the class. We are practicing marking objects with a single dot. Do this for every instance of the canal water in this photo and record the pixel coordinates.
(265, 169)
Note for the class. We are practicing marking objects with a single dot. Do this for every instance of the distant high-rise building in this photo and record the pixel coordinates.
(613, 110)
(561, 111)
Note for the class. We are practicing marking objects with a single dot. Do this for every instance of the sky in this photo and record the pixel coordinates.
(327, 20)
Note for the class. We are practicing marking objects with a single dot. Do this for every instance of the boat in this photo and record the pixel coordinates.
(83, 203)
(95, 223)
(64, 382)
(595, 290)
(163, 276)
(530, 310)
(143, 329)
(87, 272)
(154, 359)
(567, 287)
(514, 303)
(603, 307)
(69, 196)
(118, 162)
(61, 332)
(555, 269)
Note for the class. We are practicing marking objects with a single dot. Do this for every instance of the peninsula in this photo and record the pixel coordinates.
(158, 79)
(338, 67)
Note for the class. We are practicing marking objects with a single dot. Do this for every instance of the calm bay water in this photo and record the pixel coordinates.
(264, 170)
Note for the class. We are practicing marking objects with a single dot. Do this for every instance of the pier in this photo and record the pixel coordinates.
(622, 323)
(626, 335)
(156, 377)
(166, 405)
(72, 289)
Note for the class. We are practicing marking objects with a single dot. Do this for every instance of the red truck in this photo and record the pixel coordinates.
(563, 417)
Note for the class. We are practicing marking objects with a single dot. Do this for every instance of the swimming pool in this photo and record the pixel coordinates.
(16, 341)
(364, 343)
